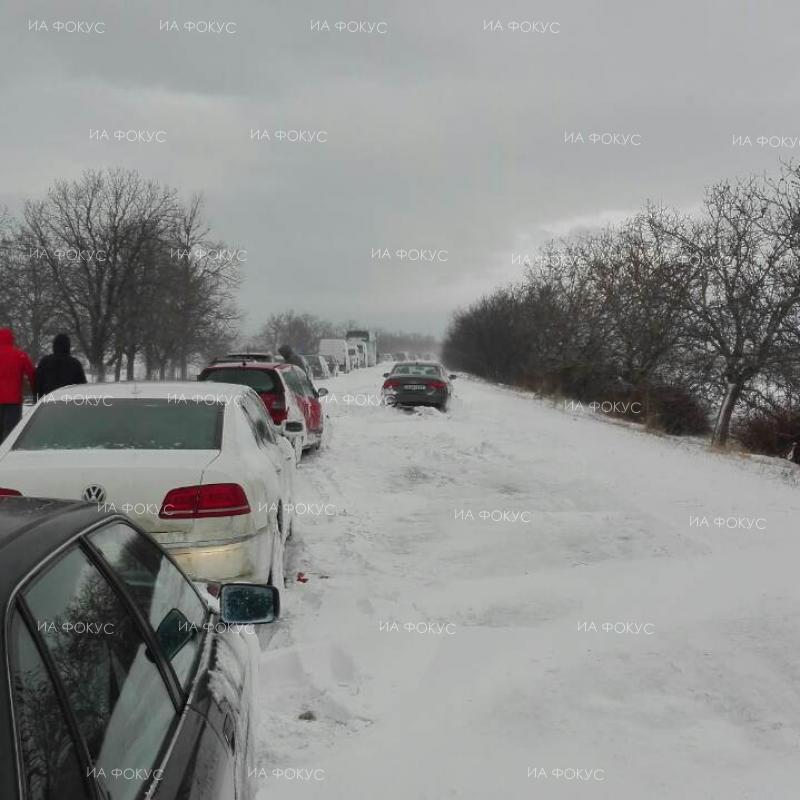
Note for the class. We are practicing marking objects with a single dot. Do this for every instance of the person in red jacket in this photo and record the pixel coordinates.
(15, 366)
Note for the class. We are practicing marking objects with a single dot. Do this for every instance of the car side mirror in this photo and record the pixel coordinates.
(322, 391)
(385, 374)
(249, 603)
(291, 427)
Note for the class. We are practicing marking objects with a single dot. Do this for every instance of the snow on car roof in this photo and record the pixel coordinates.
(222, 392)
(244, 363)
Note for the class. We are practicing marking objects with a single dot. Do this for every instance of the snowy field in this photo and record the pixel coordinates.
(592, 643)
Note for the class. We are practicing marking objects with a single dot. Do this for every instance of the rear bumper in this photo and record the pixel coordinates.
(242, 558)
(416, 398)
(312, 439)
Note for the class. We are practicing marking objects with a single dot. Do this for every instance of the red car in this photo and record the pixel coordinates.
(288, 394)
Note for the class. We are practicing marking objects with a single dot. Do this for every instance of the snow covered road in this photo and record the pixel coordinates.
(511, 683)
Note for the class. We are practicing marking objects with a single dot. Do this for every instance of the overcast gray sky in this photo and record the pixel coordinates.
(441, 133)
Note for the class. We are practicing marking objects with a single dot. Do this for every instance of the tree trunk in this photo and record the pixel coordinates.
(130, 365)
(723, 424)
(98, 366)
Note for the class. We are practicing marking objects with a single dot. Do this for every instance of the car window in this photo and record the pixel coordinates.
(114, 688)
(422, 370)
(163, 594)
(50, 764)
(291, 376)
(257, 412)
(306, 386)
(251, 422)
(262, 380)
(179, 423)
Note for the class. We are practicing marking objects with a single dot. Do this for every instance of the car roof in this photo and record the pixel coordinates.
(222, 392)
(31, 529)
(418, 364)
(263, 365)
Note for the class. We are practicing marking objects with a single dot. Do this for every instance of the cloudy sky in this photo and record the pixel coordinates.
(442, 129)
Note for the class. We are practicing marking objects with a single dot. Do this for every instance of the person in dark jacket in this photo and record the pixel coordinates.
(59, 368)
(290, 357)
(15, 366)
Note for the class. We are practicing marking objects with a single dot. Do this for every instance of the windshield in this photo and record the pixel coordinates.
(124, 424)
(259, 379)
(426, 370)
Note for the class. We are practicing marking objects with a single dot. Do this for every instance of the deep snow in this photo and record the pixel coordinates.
(702, 702)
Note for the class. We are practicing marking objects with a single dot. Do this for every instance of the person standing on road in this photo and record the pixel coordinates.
(58, 369)
(15, 366)
(290, 357)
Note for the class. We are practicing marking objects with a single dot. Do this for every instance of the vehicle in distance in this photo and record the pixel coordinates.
(287, 393)
(401, 357)
(418, 383)
(338, 349)
(202, 469)
(119, 678)
(333, 366)
(370, 342)
(354, 352)
(318, 366)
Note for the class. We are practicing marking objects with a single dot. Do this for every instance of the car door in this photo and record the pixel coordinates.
(270, 462)
(125, 702)
(314, 405)
(208, 756)
(292, 375)
(275, 447)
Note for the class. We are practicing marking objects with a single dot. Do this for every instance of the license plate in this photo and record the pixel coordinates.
(415, 387)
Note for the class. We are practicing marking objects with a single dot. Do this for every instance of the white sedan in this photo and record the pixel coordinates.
(201, 468)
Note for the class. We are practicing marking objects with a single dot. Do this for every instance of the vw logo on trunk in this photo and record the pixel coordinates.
(94, 493)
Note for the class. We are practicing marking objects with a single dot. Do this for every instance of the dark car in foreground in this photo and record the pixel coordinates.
(418, 383)
(118, 680)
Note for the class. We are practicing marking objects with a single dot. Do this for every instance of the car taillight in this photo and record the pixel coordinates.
(436, 385)
(208, 500)
(391, 384)
(276, 407)
(9, 492)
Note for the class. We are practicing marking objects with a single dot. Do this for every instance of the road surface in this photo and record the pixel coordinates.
(517, 600)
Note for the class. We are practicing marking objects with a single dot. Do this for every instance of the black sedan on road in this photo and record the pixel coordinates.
(118, 679)
(418, 383)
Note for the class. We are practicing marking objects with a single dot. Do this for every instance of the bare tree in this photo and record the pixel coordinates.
(92, 234)
(747, 284)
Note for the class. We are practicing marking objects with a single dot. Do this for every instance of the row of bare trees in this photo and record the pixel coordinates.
(128, 270)
(708, 302)
(303, 331)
